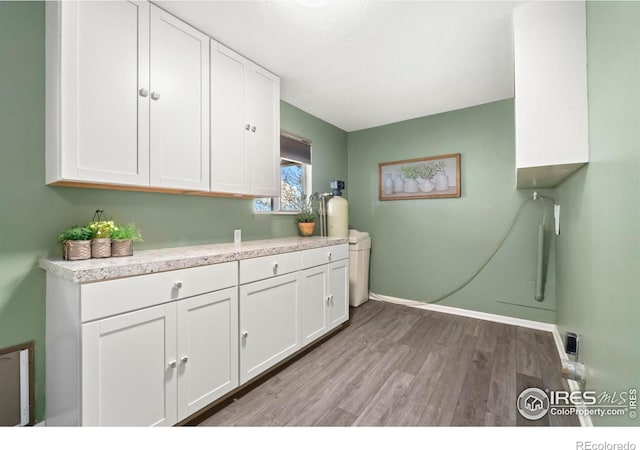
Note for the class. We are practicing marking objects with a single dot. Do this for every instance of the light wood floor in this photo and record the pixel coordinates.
(401, 366)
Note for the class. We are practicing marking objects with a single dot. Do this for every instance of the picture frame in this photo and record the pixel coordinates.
(419, 178)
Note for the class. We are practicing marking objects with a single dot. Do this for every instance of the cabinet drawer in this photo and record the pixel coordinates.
(324, 255)
(269, 266)
(112, 297)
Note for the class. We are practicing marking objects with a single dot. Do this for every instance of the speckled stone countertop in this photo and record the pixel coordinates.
(162, 260)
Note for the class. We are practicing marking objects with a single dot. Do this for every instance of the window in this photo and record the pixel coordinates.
(295, 177)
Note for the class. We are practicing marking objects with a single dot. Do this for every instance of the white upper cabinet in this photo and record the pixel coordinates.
(127, 96)
(139, 98)
(97, 59)
(551, 115)
(179, 93)
(245, 126)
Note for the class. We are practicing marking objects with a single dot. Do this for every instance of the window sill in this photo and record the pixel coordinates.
(275, 213)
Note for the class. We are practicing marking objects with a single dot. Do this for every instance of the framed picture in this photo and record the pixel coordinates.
(431, 177)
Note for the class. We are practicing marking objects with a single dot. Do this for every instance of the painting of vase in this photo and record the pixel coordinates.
(428, 177)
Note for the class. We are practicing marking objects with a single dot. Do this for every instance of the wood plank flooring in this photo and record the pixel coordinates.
(401, 366)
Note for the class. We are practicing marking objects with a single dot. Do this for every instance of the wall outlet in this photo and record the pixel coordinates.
(572, 345)
(237, 236)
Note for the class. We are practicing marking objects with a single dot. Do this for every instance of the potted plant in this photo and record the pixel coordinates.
(101, 242)
(76, 243)
(306, 218)
(122, 238)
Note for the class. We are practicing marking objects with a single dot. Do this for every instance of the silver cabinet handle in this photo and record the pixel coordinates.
(143, 92)
(177, 285)
(247, 127)
(275, 268)
(155, 95)
(245, 334)
(253, 129)
(184, 359)
(173, 364)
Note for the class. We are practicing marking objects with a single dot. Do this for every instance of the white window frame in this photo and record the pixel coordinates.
(306, 189)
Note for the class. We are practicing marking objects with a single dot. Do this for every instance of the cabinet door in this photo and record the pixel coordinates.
(338, 293)
(229, 163)
(104, 57)
(314, 303)
(268, 323)
(207, 349)
(127, 373)
(179, 122)
(262, 104)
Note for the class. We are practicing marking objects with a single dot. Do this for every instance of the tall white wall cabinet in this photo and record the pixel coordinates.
(550, 92)
(132, 101)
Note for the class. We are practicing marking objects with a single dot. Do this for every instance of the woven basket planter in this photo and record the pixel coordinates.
(122, 247)
(75, 250)
(101, 248)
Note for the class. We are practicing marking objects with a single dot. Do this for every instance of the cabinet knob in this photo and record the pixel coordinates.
(173, 364)
(143, 92)
(247, 127)
(177, 285)
(328, 298)
(184, 359)
(245, 334)
(275, 268)
(331, 297)
(329, 256)
(253, 129)
(155, 95)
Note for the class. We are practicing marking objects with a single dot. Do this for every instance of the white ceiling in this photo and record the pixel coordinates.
(360, 64)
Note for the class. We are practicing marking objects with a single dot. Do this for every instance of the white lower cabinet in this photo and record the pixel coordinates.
(324, 299)
(315, 302)
(126, 373)
(152, 350)
(338, 293)
(159, 365)
(268, 323)
(207, 349)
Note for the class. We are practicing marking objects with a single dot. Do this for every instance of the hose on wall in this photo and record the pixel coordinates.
(540, 261)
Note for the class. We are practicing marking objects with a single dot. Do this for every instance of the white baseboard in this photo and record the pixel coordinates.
(465, 312)
(585, 420)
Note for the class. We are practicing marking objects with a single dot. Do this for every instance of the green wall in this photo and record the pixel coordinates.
(422, 249)
(33, 214)
(599, 248)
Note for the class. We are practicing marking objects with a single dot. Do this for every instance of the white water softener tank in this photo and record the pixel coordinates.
(337, 212)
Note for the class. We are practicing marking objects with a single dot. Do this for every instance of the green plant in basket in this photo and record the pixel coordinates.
(76, 233)
(102, 229)
(76, 243)
(307, 213)
(124, 232)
